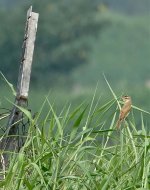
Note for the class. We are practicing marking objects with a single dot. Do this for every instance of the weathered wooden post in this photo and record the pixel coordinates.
(9, 142)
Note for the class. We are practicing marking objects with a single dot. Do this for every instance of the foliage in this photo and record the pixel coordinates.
(73, 41)
(81, 149)
(131, 7)
(63, 40)
(64, 30)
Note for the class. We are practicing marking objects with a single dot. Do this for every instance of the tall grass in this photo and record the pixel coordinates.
(81, 149)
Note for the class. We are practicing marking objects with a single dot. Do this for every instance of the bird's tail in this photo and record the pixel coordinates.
(118, 123)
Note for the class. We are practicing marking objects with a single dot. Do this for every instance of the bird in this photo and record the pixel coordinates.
(125, 110)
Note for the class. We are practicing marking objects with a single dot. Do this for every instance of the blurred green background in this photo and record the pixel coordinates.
(77, 41)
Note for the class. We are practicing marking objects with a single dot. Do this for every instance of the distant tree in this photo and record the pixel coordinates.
(11, 35)
(65, 30)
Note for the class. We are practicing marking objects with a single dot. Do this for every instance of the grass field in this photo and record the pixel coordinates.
(80, 148)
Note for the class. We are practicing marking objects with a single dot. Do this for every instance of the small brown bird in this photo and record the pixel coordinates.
(124, 110)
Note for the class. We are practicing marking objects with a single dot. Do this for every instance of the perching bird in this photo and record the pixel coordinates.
(124, 110)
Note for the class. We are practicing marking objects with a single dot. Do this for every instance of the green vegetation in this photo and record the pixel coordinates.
(117, 44)
(71, 145)
(81, 38)
(81, 149)
(62, 43)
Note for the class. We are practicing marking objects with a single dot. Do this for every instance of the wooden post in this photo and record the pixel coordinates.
(10, 140)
